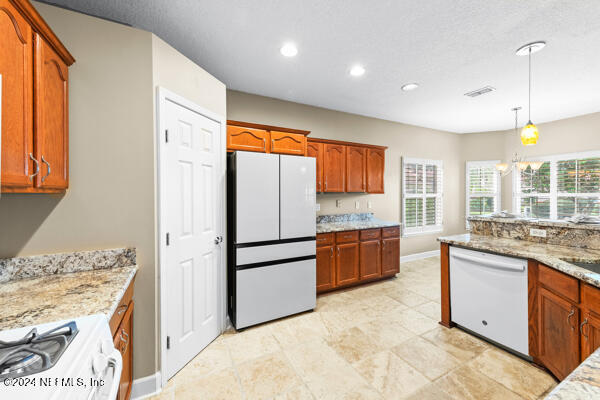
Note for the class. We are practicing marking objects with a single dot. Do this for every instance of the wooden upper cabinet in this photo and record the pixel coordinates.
(334, 171)
(16, 68)
(375, 170)
(356, 164)
(558, 333)
(247, 139)
(316, 150)
(288, 143)
(51, 117)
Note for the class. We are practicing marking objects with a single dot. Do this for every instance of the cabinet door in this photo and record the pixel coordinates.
(316, 150)
(356, 164)
(51, 117)
(334, 171)
(16, 68)
(325, 268)
(390, 256)
(590, 334)
(288, 143)
(558, 333)
(375, 169)
(370, 259)
(346, 264)
(247, 139)
(123, 342)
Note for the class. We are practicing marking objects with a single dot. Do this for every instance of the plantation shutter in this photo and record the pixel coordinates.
(535, 192)
(422, 195)
(578, 187)
(483, 188)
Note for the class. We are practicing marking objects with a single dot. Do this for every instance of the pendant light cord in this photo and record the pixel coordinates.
(529, 109)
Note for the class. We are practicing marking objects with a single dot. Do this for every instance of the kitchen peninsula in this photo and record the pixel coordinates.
(562, 296)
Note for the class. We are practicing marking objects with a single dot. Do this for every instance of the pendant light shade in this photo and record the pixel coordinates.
(529, 134)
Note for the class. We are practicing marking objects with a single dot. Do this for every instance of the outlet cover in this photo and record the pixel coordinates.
(369, 205)
(357, 204)
(537, 232)
(318, 207)
(338, 203)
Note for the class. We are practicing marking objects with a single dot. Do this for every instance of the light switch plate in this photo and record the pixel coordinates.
(537, 232)
(357, 204)
(318, 207)
(338, 203)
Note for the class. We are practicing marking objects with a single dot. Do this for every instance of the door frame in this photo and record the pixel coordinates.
(162, 96)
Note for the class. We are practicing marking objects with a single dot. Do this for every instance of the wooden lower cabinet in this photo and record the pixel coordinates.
(346, 264)
(352, 257)
(590, 334)
(325, 268)
(123, 342)
(558, 333)
(390, 256)
(370, 259)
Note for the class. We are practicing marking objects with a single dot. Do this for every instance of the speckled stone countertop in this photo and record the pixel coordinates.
(350, 222)
(555, 256)
(582, 383)
(539, 222)
(64, 289)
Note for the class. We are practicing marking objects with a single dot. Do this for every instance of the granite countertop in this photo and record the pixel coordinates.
(47, 288)
(350, 222)
(582, 383)
(540, 222)
(555, 256)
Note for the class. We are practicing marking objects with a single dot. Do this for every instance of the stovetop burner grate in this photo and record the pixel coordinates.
(35, 352)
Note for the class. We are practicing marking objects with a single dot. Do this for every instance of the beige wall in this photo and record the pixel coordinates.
(111, 198)
(402, 140)
(569, 135)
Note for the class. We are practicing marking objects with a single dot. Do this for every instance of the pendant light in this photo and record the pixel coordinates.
(530, 132)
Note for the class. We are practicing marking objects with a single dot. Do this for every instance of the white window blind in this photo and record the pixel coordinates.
(565, 185)
(483, 188)
(422, 196)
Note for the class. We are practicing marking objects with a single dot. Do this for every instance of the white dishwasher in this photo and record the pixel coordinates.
(488, 295)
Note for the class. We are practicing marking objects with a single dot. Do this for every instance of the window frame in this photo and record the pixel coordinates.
(498, 194)
(554, 194)
(439, 195)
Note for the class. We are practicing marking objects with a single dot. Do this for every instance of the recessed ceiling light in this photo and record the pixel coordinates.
(410, 86)
(289, 50)
(357, 70)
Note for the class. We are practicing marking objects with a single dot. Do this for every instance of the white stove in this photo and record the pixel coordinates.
(73, 359)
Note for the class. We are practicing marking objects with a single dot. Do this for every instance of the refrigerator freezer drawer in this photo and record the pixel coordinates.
(267, 293)
(256, 254)
(488, 295)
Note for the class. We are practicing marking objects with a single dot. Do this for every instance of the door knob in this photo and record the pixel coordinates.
(218, 239)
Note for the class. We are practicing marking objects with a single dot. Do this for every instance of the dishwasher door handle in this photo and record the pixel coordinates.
(489, 263)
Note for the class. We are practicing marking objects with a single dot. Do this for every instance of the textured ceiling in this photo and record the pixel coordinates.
(448, 47)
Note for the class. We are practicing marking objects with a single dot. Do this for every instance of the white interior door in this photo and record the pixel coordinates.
(191, 180)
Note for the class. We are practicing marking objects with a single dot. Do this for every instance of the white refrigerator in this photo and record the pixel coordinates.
(271, 213)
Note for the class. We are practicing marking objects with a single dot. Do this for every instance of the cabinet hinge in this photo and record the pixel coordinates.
(166, 136)
(168, 342)
(168, 239)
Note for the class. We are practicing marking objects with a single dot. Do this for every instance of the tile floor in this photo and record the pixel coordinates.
(380, 341)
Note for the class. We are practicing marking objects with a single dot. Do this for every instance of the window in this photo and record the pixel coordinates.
(565, 185)
(483, 188)
(422, 196)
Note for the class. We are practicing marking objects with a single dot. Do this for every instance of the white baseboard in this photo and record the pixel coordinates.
(146, 386)
(419, 256)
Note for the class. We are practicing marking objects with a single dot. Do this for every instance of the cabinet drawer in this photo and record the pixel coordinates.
(117, 317)
(590, 298)
(393, 231)
(370, 234)
(559, 283)
(325, 239)
(346, 237)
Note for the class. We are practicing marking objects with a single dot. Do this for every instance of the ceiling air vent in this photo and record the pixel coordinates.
(479, 92)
